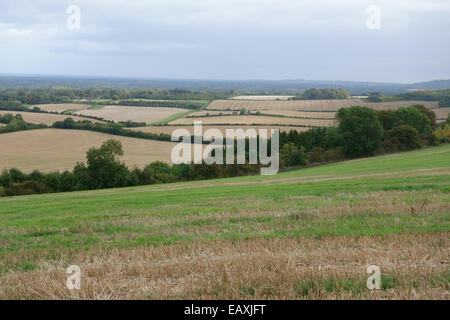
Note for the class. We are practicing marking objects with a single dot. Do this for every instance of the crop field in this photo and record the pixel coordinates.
(262, 98)
(138, 114)
(300, 114)
(58, 149)
(46, 118)
(442, 113)
(169, 129)
(303, 234)
(311, 105)
(63, 107)
(254, 119)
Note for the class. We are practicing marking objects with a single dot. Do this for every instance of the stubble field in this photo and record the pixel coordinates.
(58, 149)
(137, 114)
(303, 234)
(312, 105)
(254, 119)
(46, 118)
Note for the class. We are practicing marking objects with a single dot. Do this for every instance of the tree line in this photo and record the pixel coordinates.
(360, 132)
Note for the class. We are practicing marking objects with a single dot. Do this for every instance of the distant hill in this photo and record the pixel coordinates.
(354, 87)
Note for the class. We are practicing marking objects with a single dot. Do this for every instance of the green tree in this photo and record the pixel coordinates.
(360, 129)
(413, 117)
(104, 170)
(428, 113)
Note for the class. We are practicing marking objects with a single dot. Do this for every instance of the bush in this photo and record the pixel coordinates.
(291, 155)
(442, 134)
(316, 155)
(403, 137)
(27, 187)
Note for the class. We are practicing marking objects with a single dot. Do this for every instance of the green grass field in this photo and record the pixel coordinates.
(394, 203)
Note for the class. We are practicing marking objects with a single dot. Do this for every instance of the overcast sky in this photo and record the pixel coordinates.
(229, 39)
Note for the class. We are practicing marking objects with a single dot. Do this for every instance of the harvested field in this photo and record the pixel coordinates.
(262, 98)
(46, 118)
(249, 120)
(58, 149)
(301, 114)
(304, 268)
(311, 105)
(63, 107)
(138, 114)
(301, 234)
(441, 113)
(170, 129)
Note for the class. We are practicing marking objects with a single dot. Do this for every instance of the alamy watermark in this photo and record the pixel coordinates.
(213, 153)
(73, 281)
(74, 19)
(374, 280)
(373, 22)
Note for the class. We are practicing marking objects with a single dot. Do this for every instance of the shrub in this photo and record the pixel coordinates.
(291, 155)
(316, 155)
(27, 187)
(403, 137)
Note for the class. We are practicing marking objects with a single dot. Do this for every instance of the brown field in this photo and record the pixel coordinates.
(58, 149)
(62, 107)
(311, 105)
(138, 114)
(48, 119)
(248, 120)
(262, 98)
(442, 113)
(298, 268)
(170, 129)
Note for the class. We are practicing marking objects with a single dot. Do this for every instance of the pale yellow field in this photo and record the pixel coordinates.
(62, 107)
(311, 105)
(442, 113)
(169, 129)
(248, 120)
(138, 114)
(301, 114)
(46, 118)
(59, 149)
(262, 98)
(285, 113)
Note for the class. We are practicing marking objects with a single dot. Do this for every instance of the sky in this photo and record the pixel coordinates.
(383, 41)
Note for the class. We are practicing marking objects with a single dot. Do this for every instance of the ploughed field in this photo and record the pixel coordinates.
(303, 234)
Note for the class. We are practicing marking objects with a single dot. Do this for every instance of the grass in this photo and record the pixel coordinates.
(172, 117)
(390, 210)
